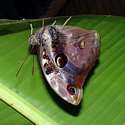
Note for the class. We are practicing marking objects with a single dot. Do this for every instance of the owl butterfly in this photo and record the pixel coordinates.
(66, 55)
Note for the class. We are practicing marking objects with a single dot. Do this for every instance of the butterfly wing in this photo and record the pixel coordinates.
(67, 54)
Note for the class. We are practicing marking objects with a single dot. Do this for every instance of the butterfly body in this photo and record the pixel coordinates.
(66, 54)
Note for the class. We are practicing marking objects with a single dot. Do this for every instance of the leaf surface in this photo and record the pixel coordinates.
(104, 91)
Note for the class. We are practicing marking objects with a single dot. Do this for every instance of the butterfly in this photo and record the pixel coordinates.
(66, 54)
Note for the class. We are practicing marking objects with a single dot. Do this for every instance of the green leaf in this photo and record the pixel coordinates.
(30, 95)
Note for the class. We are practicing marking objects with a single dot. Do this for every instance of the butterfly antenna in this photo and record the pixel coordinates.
(31, 28)
(53, 23)
(67, 21)
(19, 69)
(43, 22)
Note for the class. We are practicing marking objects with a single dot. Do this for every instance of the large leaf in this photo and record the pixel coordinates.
(104, 91)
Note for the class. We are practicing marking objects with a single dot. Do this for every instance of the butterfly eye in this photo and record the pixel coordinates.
(71, 89)
(61, 60)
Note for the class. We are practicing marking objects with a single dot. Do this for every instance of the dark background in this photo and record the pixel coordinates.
(18, 9)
